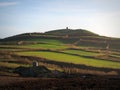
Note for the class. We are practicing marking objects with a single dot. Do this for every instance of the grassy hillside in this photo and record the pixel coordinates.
(73, 59)
(76, 37)
(69, 51)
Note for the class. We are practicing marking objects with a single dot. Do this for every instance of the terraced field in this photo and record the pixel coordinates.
(45, 46)
(61, 57)
(65, 52)
(80, 52)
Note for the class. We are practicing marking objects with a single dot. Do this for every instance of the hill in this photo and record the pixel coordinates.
(54, 33)
(77, 37)
(67, 53)
(65, 59)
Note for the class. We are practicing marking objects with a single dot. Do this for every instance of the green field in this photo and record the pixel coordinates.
(80, 52)
(45, 46)
(50, 41)
(72, 59)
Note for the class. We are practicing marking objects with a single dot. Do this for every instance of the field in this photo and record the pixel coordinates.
(73, 59)
(85, 60)
(45, 46)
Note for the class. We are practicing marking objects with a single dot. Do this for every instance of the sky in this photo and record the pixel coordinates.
(21, 16)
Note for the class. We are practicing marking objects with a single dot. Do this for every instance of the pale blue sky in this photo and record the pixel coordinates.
(21, 16)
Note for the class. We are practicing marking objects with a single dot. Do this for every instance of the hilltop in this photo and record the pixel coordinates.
(71, 32)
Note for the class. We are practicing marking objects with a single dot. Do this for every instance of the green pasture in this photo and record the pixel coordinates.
(40, 43)
(60, 57)
(44, 46)
(49, 41)
(80, 52)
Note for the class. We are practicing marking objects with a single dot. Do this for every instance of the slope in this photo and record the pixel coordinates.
(77, 37)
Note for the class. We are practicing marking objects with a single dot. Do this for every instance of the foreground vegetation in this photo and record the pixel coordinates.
(98, 83)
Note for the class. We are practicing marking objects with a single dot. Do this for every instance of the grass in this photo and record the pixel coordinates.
(48, 41)
(40, 43)
(116, 56)
(80, 52)
(10, 47)
(9, 65)
(45, 46)
(72, 59)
